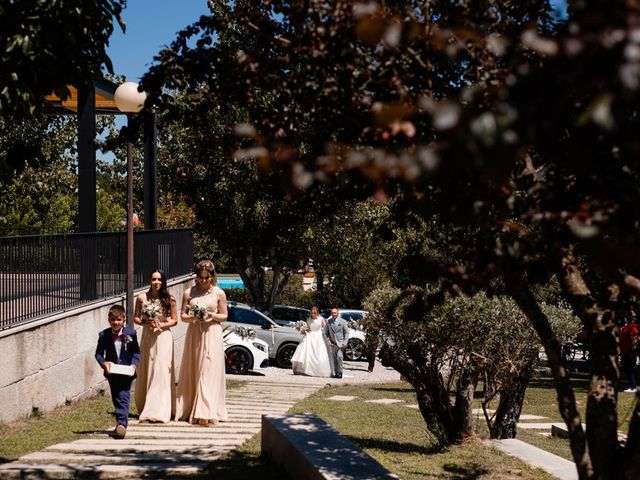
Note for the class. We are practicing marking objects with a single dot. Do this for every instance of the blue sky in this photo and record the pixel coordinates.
(151, 24)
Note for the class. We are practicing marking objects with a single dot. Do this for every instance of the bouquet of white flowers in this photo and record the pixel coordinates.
(301, 326)
(151, 310)
(197, 311)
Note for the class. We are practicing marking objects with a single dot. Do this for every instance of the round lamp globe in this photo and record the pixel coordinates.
(128, 99)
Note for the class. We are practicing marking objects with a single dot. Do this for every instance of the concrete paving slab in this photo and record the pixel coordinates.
(107, 458)
(134, 442)
(553, 464)
(384, 401)
(479, 411)
(205, 449)
(342, 398)
(527, 416)
(524, 416)
(258, 408)
(202, 434)
(28, 471)
(539, 426)
(221, 427)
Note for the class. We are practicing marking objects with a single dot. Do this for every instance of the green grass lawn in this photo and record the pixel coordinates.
(541, 400)
(395, 435)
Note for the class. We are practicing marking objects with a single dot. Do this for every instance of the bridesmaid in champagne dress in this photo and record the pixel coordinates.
(201, 386)
(156, 311)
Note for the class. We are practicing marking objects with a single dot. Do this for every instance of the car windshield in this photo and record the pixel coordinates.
(240, 315)
(290, 314)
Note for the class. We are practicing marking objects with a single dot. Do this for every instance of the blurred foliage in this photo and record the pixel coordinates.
(513, 126)
(111, 217)
(38, 142)
(175, 212)
(39, 201)
(47, 45)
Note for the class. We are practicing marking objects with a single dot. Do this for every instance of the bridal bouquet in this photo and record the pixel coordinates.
(150, 311)
(301, 326)
(197, 311)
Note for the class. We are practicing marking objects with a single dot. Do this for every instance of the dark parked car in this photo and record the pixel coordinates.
(282, 340)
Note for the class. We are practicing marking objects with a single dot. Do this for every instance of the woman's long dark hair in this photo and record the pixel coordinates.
(165, 296)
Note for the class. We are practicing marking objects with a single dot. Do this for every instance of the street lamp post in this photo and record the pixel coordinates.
(129, 100)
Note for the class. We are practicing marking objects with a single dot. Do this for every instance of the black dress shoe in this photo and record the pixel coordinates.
(338, 375)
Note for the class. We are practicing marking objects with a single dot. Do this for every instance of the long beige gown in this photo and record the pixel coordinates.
(201, 386)
(155, 392)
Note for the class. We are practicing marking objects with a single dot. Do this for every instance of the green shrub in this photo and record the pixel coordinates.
(240, 295)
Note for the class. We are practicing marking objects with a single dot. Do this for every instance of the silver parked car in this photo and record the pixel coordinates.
(282, 340)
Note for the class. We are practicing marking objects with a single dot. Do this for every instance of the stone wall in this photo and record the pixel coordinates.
(50, 362)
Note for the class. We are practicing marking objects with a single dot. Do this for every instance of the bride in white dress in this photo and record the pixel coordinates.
(312, 355)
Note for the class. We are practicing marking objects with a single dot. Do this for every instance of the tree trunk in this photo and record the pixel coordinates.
(463, 415)
(602, 421)
(631, 463)
(280, 278)
(602, 418)
(505, 421)
(432, 397)
(252, 277)
(520, 292)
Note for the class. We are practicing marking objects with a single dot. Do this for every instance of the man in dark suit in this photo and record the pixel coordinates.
(336, 331)
(118, 345)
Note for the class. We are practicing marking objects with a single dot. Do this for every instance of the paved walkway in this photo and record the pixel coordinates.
(176, 449)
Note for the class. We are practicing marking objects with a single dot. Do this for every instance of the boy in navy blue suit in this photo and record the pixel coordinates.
(118, 344)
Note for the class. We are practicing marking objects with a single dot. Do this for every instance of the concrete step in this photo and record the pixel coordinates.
(561, 431)
(210, 433)
(553, 464)
(160, 450)
(539, 425)
(220, 427)
(70, 458)
(25, 471)
(140, 443)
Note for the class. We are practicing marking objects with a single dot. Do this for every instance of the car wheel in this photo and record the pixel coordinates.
(354, 350)
(283, 357)
(238, 360)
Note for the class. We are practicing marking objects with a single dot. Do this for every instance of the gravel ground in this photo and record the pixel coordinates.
(354, 372)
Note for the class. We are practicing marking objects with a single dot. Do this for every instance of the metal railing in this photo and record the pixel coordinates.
(42, 275)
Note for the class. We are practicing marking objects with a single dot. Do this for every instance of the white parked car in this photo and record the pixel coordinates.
(355, 342)
(243, 353)
(282, 340)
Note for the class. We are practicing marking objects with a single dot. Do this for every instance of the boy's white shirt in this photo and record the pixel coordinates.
(118, 344)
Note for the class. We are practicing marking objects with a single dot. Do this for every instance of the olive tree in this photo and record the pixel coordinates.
(445, 351)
